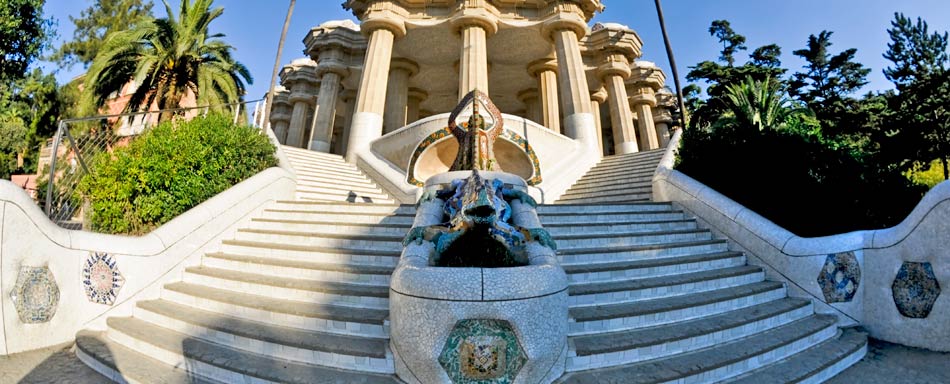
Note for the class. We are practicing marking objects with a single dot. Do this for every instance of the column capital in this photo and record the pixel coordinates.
(528, 94)
(404, 65)
(348, 95)
(332, 66)
(613, 68)
(600, 95)
(300, 95)
(538, 66)
(418, 94)
(564, 21)
(663, 116)
(383, 20)
(470, 19)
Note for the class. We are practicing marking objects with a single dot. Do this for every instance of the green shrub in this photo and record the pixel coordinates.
(170, 169)
(798, 180)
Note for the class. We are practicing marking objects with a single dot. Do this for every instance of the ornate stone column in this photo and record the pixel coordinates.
(280, 114)
(348, 97)
(416, 97)
(613, 72)
(475, 28)
(663, 116)
(397, 94)
(546, 72)
(301, 98)
(381, 30)
(532, 108)
(596, 99)
(332, 69)
(565, 30)
(647, 79)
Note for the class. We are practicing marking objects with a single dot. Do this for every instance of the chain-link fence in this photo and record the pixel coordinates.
(66, 157)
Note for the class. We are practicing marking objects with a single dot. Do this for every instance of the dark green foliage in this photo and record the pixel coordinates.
(95, 23)
(914, 51)
(797, 180)
(33, 102)
(170, 169)
(12, 139)
(732, 42)
(24, 34)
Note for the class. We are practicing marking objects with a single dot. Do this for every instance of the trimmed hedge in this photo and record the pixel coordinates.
(170, 169)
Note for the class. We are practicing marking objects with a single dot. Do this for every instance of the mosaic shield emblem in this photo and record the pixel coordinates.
(101, 278)
(482, 351)
(35, 295)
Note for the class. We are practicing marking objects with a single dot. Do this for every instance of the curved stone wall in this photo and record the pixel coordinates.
(887, 280)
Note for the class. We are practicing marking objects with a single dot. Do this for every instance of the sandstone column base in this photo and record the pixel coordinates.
(366, 127)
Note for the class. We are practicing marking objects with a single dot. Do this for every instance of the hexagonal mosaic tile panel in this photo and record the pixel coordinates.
(101, 278)
(839, 277)
(482, 351)
(35, 295)
(915, 289)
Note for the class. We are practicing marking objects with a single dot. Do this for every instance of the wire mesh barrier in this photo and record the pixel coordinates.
(66, 158)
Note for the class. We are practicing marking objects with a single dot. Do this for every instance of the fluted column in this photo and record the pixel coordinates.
(532, 108)
(397, 94)
(301, 101)
(367, 122)
(662, 118)
(613, 72)
(473, 59)
(333, 70)
(416, 97)
(546, 72)
(643, 103)
(280, 114)
(565, 31)
(596, 99)
(348, 97)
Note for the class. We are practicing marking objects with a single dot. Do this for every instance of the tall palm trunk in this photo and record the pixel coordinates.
(273, 78)
(669, 54)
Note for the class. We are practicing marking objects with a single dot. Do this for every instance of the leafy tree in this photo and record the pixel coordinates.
(826, 79)
(24, 34)
(732, 42)
(95, 23)
(759, 105)
(767, 56)
(914, 51)
(32, 101)
(169, 58)
(12, 143)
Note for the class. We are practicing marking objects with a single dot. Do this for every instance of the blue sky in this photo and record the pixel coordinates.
(253, 27)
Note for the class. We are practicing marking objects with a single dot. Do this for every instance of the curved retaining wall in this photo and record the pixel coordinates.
(887, 280)
(30, 242)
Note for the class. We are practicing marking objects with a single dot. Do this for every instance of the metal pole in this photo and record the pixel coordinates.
(669, 54)
(76, 149)
(237, 112)
(52, 168)
(280, 51)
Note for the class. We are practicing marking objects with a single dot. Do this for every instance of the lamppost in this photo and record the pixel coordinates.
(669, 55)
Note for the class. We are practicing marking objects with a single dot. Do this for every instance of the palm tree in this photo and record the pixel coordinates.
(761, 105)
(169, 58)
(268, 105)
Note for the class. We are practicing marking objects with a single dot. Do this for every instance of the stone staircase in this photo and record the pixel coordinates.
(328, 177)
(616, 179)
(300, 295)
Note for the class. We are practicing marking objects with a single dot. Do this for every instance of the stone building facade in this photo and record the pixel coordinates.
(409, 59)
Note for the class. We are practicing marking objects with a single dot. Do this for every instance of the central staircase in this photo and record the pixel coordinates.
(300, 294)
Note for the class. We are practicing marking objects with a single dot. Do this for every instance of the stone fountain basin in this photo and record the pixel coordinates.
(427, 302)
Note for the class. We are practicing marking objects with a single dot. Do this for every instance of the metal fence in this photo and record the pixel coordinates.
(66, 157)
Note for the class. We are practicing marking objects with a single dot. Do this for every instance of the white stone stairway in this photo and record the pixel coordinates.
(328, 177)
(616, 179)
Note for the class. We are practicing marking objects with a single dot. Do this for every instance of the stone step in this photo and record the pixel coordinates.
(316, 162)
(589, 209)
(354, 273)
(721, 361)
(622, 169)
(616, 348)
(344, 207)
(337, 319)
(209, 359)
(123, 365)
(597, 229)
(367, 189)
(646, 313)
(608, 184)
(342, 197)
(338, 228)
(652, 155)
(620, 270)
(814, 365)
(337, 255)
(591, 240)
(327, 240)
(611, 190)
(338, 351)
(639, 252)
(310, 179)
(306, 153)
(609, 176)
(608, 217)
(604, 198)
(303, 290)
(631, 290)
(319, 218)
(330, 174)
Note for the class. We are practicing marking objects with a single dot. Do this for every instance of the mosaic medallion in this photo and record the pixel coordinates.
(101, 278)
(35, 295)
(444, 133)
(840, 277)
(482, 351)
(915, 289)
